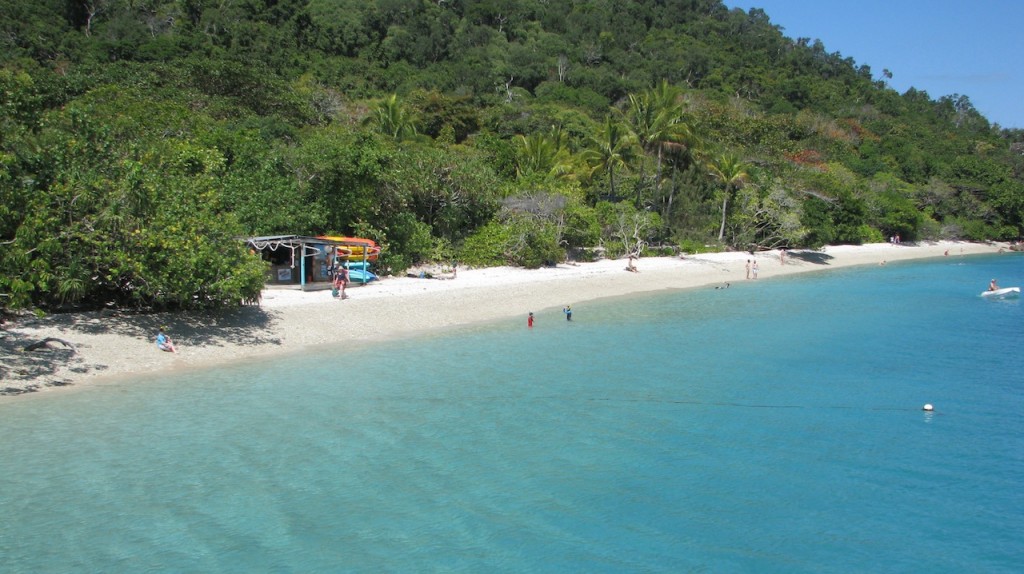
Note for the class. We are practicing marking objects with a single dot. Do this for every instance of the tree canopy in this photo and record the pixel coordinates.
(140, 139)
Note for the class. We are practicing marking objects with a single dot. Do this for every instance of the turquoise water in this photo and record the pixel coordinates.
(772, 427)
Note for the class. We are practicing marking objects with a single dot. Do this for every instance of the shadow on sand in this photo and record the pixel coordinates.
(28, 371)
(810, 256)
(24, 371)
(242, 326)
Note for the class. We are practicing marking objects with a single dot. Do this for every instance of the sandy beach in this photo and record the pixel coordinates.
(120, 345)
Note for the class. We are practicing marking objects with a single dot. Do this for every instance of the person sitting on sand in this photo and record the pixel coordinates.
(164, 343)
(631, 266)
(992, 286)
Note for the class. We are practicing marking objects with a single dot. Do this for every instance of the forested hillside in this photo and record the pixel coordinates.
(140, 139)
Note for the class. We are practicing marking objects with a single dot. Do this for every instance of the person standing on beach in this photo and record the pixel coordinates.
(568, 312)
(782, 256)
(748, 269)
(341, 281)
(754, 269)
(529, 320)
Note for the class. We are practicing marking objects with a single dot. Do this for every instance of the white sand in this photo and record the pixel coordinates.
(120, 345)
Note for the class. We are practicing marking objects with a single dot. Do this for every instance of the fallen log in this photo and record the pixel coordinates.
(45, 344)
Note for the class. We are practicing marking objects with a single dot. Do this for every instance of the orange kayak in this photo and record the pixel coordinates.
(358, 248)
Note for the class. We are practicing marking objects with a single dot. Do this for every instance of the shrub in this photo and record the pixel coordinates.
(486, 247)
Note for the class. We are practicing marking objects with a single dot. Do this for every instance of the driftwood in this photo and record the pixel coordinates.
(46, 342)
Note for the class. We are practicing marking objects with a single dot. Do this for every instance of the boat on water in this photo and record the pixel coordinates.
(1003, 293)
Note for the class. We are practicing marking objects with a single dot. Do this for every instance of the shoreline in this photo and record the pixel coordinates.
(113, 348)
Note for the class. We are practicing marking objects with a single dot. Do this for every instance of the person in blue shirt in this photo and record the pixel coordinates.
(164, 343)
(568, 312)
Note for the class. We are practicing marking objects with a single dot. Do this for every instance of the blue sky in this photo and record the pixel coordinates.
(943, 47)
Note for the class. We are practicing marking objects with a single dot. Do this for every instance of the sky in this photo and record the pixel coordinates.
(944, 47)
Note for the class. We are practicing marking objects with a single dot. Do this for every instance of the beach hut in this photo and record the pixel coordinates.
(297, 261)
(307, 263)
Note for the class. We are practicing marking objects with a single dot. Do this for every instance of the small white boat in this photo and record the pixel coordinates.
(1002, 293)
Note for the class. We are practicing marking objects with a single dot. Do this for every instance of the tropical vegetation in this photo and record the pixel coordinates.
(141, 139)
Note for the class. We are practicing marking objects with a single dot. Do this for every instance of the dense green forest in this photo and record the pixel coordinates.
(140, 139)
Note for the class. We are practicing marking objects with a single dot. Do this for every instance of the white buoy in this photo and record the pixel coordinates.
(928, 407)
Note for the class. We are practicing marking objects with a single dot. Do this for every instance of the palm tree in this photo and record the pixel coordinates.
(731, 172)
(543, 153)
(392, 118)
(680, 158)
(611, 148)
(656, 120)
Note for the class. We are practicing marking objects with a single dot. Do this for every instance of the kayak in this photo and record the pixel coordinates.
(1002, 293)
(360, 276)
(357, 248)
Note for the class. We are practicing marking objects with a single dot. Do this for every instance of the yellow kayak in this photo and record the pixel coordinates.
(355, 248)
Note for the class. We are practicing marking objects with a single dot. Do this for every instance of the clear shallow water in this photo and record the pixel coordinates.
(771, 427)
